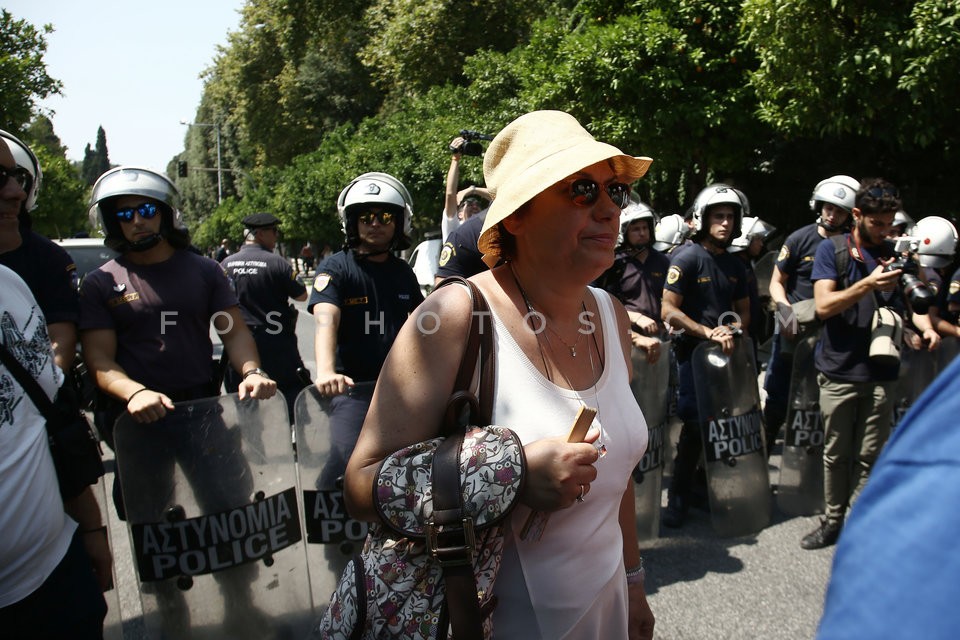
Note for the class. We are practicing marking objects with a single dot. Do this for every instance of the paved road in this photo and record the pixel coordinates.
(700, 585)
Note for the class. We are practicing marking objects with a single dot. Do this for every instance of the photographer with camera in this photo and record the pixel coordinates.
(855, 284)
(460, 205)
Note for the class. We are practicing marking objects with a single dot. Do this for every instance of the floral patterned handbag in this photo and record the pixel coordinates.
(427, 570)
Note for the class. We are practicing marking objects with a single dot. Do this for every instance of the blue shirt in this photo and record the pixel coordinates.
(896, 565)
(459, 255)
(374, 298)
(843, 351)
(640, 284)
(710, 285)
(953, 289)
(796, 259)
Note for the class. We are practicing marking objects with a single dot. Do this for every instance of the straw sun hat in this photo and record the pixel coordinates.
(534, 152)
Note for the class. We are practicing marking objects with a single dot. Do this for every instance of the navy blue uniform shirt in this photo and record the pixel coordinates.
(264, 282)
(796, 259)
(460, 255)
(710, 285)
(50, 273)
(374, 298)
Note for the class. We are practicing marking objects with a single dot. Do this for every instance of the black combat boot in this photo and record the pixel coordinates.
(824, 535)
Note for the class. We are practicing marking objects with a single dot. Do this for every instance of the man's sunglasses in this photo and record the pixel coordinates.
(367, 217)
(146, 211)
(18, 174)
(584, 192)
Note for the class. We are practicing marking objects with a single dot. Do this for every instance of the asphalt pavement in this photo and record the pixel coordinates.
(699, 585)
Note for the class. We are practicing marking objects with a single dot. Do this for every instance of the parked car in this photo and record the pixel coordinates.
(87, 253)
(425, 262)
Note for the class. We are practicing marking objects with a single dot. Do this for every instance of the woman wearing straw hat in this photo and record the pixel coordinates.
(559, 345)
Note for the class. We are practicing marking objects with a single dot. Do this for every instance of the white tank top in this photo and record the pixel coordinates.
(571, 582)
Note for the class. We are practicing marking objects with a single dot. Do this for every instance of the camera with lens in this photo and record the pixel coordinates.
(470, 146)
(914, 289)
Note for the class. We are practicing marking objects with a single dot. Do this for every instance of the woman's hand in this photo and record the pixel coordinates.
(556, 469)
(639, 618)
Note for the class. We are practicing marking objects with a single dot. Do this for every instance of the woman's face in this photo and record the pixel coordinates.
(566, 227)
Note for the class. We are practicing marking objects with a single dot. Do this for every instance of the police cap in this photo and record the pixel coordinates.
(260, 221)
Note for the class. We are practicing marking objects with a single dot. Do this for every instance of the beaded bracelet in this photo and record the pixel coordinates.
(637, 574)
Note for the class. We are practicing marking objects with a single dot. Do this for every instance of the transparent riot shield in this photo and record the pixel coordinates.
(731, 426)
(650, 384)
(214, 521)
(333, 538)
(800, 492)
(917, 371)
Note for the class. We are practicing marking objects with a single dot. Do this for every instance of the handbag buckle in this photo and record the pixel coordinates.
(458, 554)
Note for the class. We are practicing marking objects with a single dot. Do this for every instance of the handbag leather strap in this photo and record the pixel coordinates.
(454, 541)
(28, 382)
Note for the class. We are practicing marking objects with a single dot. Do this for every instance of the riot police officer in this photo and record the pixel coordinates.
(706, 288)
(264, 281)
(637, 276)
(361, 297)
(792, 291)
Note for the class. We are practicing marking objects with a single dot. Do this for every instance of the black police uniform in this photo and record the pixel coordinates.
(375, 299)
(710, 285)
(264, 282)
(460, 255)
(50, 274)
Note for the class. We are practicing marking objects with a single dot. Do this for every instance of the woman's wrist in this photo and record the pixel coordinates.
(637, 574)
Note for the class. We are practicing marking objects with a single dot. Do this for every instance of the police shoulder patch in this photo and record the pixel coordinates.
(784, 253)
(673, 275)
(445, 254)
(321, 281)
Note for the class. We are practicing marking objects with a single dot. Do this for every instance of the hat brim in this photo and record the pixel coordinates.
(550, 170)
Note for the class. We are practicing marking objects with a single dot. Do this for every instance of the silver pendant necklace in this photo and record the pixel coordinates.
(599, 444)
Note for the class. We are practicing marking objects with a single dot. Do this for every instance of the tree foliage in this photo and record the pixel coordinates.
(771, 94)
(419, 44)
(835, 68)
(95, 161)
(23, 74)
(61, 208)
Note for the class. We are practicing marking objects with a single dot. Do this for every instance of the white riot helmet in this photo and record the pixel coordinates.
(904, 221)
(838, 190)
(938, 241)
(750, 229)
(380, 189)
(26, 159)
(636, 211)
(136, 181)
(718, 194)
(670, 232)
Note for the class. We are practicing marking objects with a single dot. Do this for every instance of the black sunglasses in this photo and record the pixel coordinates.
(584, 192)
(146, 210)
(18, 174)
(367, 217)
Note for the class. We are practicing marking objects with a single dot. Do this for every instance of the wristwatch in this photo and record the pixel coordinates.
(256, 370)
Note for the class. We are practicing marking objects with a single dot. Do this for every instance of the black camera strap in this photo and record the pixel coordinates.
(29, 384)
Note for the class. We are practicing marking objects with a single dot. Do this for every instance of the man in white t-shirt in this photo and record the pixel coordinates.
(48, 586)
